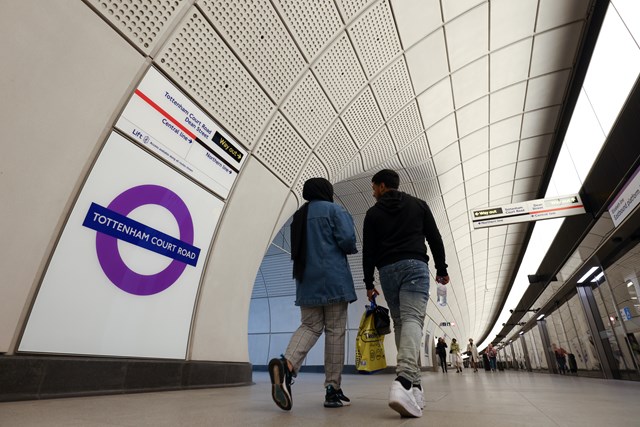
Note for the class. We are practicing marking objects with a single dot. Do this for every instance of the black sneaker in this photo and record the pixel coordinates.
(281, 383)
(332, 399)
(344, 399)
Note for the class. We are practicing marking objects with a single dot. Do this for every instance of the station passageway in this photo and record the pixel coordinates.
(483, 398)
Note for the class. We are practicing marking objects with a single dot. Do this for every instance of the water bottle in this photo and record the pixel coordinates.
(442, 294)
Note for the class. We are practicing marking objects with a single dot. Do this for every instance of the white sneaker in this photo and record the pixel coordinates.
(418, 394)
(402, 401)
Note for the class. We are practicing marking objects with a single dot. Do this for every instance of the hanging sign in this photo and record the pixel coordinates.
(626, 200)
(166, 122)
(531, 210)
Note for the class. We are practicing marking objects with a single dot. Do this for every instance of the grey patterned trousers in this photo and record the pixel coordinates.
(333, 320)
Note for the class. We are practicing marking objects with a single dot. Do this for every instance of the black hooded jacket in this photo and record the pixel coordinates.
(395, 229)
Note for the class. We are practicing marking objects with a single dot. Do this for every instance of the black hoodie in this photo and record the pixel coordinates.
(395, 229)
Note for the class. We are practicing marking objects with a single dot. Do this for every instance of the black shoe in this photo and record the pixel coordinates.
(344, 399)
(281, 380)
(332, 399)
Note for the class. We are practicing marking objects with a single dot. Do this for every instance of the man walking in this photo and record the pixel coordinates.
(394, 235)
(472, 352)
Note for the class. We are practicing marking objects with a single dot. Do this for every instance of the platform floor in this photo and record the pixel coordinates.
(468, 399)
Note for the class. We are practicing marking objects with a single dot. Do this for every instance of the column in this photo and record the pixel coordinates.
(598, 332)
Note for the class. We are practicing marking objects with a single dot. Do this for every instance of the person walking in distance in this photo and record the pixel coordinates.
(472, 352)
(456, 358)
(322, 234)
(394, 234)
(492, 354)
(561, 358)
(441, 351)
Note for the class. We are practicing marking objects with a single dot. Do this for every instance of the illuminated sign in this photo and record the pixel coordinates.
(532, 210)
(163, 120)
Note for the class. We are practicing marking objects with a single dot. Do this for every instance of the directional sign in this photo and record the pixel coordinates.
(626, 200)
(163, 120)
(532, 210)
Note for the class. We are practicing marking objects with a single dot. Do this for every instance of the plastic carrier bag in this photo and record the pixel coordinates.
(369, 346)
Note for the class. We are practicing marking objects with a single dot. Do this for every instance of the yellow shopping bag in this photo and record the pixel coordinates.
(369, 346)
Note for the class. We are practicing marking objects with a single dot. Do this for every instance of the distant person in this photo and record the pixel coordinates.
(456, 357)
(472, 352)
(394, 234)
(441, 351)
(561, 358)
(322, 234)
(492, 354)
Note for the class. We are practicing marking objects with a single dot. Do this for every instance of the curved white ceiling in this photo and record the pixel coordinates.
(462, 97)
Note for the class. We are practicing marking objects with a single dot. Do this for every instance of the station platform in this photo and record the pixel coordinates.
(467, 399)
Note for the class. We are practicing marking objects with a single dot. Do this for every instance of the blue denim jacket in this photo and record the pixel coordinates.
(330, 237)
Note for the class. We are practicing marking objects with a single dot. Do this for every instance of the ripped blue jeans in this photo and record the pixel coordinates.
(406, 289)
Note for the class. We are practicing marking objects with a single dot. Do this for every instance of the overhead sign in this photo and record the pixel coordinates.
(532, 210)
(166, 122)
(125, 273)
(447, 323)
(626, 200)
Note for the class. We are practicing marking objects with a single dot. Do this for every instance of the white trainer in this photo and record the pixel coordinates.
(402, 401)
(418, 394)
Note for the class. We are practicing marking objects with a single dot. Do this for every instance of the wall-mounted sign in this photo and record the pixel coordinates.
(447, 323)
(165, 121)
(532, 210)
(124, 275)
(626, 200)
(625, 313)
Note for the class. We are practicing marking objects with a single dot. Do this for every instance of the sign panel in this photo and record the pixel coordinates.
(531, 210)
(625, 313)
(124, 275)
(626, 200)
(165, 121)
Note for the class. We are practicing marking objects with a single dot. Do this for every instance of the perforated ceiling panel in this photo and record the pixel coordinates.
(375, 37)
(380, 147)
(339, 72)
(393, 88)
(256, 33)
(337, 149)
(312, 24)
(406, 126)
(142, 21)
(309, 109)
(201, 62)
(467, 114)
(350, 8)
(363, 118)
(282, 150)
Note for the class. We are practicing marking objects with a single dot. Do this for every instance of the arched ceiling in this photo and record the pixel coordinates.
(462, 97)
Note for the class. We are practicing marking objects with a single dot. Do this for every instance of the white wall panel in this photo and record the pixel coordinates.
(234, 261)
(57, 102)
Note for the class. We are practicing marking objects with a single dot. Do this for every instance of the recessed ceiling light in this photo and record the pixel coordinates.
(541, 317)
(629, 284)
(589, 273)
(595, 279)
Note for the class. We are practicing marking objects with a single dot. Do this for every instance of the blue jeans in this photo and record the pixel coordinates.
(492, 363)
(406, 289)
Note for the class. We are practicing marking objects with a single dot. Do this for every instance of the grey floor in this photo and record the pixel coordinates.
(468, 399)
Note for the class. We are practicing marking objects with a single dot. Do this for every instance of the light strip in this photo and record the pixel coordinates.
(541, 317)
(595, 279)
(589, 273)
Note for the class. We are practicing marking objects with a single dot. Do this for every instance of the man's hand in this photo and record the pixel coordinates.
(442, 279)
(371, 293)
